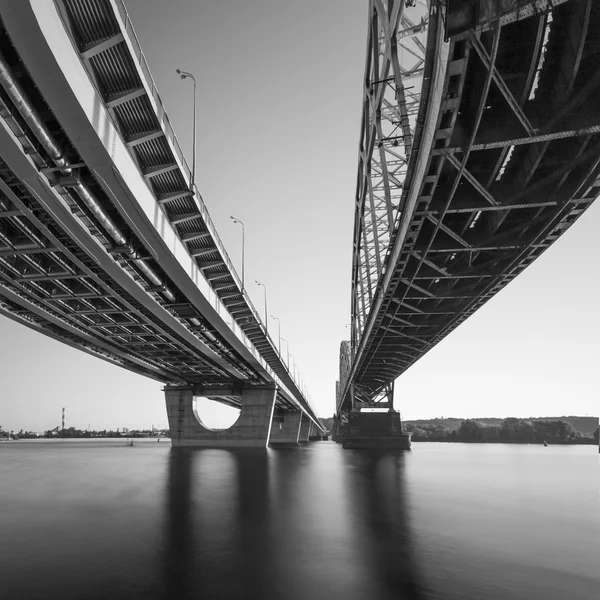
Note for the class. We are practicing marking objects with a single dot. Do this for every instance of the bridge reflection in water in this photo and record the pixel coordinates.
(95, 520)
(275, 524)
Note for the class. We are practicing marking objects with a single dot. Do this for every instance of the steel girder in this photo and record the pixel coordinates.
(41, 288)
(514, 161)
(391, 100)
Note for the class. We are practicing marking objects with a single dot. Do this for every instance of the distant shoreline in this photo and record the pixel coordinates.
(87, 439)
(581, 442)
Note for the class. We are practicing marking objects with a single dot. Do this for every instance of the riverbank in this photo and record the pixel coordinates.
(581, 441)
(511, 430)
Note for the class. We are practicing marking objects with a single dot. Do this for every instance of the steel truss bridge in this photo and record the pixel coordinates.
(479, 147)
(103, 243)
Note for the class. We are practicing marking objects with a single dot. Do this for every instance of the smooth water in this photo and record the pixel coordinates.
(98, 519)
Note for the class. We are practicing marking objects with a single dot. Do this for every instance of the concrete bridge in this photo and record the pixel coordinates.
(105, 242)
(479, 148)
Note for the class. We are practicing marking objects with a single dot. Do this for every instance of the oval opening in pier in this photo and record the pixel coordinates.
(215, 415)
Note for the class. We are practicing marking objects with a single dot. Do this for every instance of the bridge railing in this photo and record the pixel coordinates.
(163, 119)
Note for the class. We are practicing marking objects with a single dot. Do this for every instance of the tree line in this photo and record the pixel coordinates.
(72, 432)
(510, 430)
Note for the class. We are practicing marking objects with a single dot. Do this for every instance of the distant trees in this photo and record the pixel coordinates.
(429, 433)
(16, 436)
(556, 431)
(510, 430)
(516, 430)
(471, 431)
(72, 432)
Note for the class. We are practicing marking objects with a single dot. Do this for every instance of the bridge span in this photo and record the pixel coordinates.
(104, 243)
(479, 147)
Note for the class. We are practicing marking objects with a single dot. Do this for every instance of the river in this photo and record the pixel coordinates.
(98, 519)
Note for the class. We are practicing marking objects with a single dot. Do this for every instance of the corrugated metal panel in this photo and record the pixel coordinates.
(181, 211)
(92, 20)
(154, 153)
(182, 206)
(204, 244)
(136, 117)
(217, 273)
(172, 181)
(191, 227)
(115, 71)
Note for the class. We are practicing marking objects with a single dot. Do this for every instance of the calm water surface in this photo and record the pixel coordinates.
(85, 519)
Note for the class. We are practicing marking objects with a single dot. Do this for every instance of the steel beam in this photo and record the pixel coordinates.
(90, 50)
(123, 97)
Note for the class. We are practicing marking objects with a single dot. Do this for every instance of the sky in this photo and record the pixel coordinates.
(279, 104)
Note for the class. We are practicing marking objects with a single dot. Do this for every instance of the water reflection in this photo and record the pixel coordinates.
(288, 523)
(216, 521)
(93, 521)
(377, 487)
(179, 532)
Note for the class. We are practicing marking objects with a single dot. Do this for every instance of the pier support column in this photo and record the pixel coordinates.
(286, 428)
(374, 430)
(252, 429)
(335, 430)
(304, 430)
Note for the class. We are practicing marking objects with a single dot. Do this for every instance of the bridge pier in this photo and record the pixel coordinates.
(374, 430)
(335, 429)
(251, 430)
(305, 429)
(286, 428)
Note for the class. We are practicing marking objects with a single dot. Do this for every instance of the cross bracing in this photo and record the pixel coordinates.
(505, 157)
(52, 281)
(391, 99)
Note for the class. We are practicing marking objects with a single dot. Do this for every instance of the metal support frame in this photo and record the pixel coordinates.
(472, 228)
(391, 100)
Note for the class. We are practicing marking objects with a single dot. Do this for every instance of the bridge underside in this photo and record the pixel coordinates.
(86, 153)
(513, 160)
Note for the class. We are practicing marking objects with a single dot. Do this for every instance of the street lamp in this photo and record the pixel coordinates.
(288, 351)
(236, 220)
(265, 288)
(278, 331)
(185, 75)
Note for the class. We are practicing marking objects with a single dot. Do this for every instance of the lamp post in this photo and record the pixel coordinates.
(236, 220)
(266, 312)
(288, 352)
(185, 75)
(278, 331)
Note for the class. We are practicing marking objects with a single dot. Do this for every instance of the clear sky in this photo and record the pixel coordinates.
(279, 101)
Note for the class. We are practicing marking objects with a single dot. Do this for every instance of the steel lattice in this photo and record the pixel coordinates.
(458, 193)
(391, 100)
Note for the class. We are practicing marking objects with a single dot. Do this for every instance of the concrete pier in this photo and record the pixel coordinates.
(374, 430)
(251, 430)
(286, 428)
(305, 430)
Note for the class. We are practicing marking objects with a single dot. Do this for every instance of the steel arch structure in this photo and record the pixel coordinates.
(476, 153)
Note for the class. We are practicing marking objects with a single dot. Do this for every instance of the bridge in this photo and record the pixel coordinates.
(105, 242)
(479, 147)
